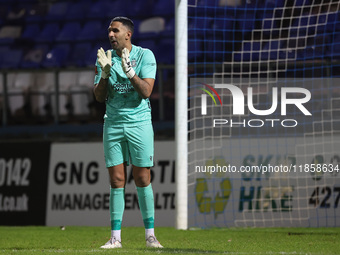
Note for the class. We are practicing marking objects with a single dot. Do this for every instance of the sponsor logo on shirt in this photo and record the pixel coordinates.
(123, 87)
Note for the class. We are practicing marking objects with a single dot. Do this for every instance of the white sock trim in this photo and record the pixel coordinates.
(149, 232)
(116, 234)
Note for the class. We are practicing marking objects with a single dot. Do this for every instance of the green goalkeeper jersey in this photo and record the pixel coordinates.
(124, 106)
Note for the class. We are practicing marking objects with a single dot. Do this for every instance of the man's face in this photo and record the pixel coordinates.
(118, 35)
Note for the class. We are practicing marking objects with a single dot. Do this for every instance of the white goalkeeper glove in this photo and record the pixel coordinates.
(104, 61)
(126, 64)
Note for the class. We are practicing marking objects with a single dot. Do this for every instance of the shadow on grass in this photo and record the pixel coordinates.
(180, 251)
(311, 233)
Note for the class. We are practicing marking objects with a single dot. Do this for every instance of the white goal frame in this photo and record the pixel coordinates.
(181, 114)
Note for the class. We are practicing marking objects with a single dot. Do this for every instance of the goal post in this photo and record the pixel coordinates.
(263, 129)
(181, 119)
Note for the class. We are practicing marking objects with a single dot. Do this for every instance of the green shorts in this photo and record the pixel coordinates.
(133, 144)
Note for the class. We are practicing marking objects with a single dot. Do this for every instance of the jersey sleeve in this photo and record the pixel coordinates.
(149, 65)
(98, 73)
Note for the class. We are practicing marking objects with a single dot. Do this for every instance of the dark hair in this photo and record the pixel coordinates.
(125, 21)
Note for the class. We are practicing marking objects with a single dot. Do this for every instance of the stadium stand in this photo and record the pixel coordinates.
(31, 31)
(10, 58)
(65, 35)
(57, 11)
(48, 33)
(69, 32)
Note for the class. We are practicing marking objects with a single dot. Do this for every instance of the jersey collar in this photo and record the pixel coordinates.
(133, 49)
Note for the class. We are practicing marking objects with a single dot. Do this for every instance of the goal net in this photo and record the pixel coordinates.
(264, 113)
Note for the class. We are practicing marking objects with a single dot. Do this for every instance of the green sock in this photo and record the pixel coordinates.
(146, 205)
(117, 205)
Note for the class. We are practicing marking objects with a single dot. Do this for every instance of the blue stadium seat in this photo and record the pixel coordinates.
(195, 50)
(250, 51)
(208, 3)
(246, 20)
(140, 9)
(136, 23)
(321, 23)
(164, 8)
(221, 29)
(34, 57)
(271, 50)
(79, 54)
(220, 32)
(149, 44)
(296, 43)
(97, 9)
(91, 31)
(31, 31)
(77, 11)
(57, 56)
(252, 4)
(108, 9)
(316, 47)
(302, 2)
(223, 24)
(10, 59)
(333, 20)
(3, 50)
(90, 59)
(290, 54)
(199, 27)
(120, 9)
(264, 12)
(37, 12)
(215, 50)
(69, 32)
(303, 26)
(271, 4)
(169, 29)
(165, 52)
(57, 11)
(333, 50)
(48, 33)
(269, 24)
(205, 7)
(327, 23)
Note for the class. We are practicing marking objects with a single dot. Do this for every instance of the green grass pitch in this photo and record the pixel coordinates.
(87, 240)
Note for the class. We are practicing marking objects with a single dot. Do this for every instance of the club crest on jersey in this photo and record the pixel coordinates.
(133, 63)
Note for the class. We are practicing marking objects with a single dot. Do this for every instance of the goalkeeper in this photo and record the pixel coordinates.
(125, 76)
